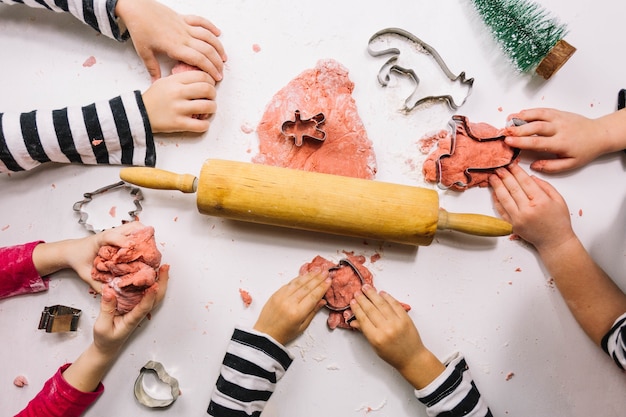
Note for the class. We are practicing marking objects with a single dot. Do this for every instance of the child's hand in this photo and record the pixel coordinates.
(173, 101)
(289, 311)
(109, 334)
(391, 332)
(536, 210)
(80, 253)
(155, 28)
(575, 140)
(111, 330)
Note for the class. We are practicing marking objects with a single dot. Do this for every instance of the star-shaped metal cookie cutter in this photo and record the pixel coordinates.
(134, 192)
(295, 129)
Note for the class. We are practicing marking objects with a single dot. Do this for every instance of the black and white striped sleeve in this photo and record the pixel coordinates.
(453, 393)
(252, 366)
(115, 132)
(99, 14)
(614, 342)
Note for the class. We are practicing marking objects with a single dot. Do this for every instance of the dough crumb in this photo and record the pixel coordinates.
(20, 381)
(245, 297)
(509, 376)
(256, 47)
(89, 62)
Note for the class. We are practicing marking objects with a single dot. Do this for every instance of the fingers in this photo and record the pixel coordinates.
(164, 278)
(553, 165)
(372, 309)
(152, 64)
(308, 289)
(206, 31)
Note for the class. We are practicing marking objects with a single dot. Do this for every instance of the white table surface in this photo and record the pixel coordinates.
(486, 297)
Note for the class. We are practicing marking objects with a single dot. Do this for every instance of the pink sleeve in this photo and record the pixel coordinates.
(17, 271)
(57, 398)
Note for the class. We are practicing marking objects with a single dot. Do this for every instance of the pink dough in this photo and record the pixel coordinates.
(344, 284)
(346, 149)
(468, 153)
(129, 270)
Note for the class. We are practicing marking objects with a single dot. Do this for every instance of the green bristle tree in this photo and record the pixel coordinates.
(529, 36)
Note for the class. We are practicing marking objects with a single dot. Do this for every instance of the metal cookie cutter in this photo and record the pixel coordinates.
(399, 62)
(462, 122)
(59, 318)
(135, 193)
(344, 262)
(295, 129)
(158, 369)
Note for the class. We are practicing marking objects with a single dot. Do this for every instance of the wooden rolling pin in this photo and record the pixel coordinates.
(318, 202)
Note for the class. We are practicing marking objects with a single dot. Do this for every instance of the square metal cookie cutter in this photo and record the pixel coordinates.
(59, 318)
(135, 194)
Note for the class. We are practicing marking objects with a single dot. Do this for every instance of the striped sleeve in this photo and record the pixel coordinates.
(252, 366)
(614, 342)
(453, 393)
(116, 132)
(99, 14)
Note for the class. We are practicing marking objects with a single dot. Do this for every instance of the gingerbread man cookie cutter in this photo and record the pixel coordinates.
(295, 129)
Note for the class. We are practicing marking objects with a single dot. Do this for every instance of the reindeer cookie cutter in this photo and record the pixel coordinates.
(461, 121)
(396, 63)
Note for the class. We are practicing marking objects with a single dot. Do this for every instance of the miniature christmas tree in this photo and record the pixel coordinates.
(529, 36)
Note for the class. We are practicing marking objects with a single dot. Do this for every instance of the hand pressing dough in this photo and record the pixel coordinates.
(344, 284)
(182, 67)
(130, 270)
(325, 89)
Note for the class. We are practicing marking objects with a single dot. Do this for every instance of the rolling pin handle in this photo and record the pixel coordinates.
(473, 224)
(159, 179)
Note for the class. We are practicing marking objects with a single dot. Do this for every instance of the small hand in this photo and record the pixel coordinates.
(289, 311)
(575, 140)
(111, 330)
(536, 210)
(172, 102)
(155, 28)
(80, 253)
(393, 335)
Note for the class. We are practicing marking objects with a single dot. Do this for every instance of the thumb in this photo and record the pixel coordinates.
(152, 65)
(108, 302)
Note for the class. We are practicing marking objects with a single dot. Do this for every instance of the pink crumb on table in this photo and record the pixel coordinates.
(89, 62)
(245, 297)
(20, 381)
(509, 376)
(246, 128)
(580, 212)
(112, 211)
(375, 257)
(256, 47)
(5, 227)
